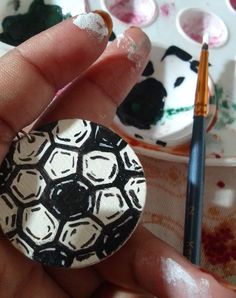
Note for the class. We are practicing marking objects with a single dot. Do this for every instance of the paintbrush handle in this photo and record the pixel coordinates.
(195, 190)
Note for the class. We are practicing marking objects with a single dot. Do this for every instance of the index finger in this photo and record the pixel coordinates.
(31, 73)
(146, 262)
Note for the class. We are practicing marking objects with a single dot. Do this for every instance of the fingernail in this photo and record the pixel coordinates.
(97, 23)
(107, 19)
(136, 44)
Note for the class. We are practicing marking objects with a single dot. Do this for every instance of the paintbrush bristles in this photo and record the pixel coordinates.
(206, 38)
(205, 46)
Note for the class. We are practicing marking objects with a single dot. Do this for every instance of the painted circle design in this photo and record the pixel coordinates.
(73, 195)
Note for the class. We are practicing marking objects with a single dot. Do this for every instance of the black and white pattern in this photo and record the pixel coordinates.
(72, 193)
(159, 108)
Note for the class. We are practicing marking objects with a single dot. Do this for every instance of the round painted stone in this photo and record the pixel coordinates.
(72, 193)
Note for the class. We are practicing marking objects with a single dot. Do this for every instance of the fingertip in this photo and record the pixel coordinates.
(135, 44)
(161, 270)
(97, 23)
(107, 19)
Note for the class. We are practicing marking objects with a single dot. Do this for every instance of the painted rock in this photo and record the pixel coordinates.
(72, 193)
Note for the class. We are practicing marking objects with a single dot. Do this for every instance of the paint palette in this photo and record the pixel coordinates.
(176, 29)
(21, 19)
(159, 109)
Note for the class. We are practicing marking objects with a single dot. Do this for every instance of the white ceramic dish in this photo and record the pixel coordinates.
(173, 23)
(159, 109)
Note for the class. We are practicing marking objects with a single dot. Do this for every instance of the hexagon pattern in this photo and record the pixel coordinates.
(80, 234)
(22, 246)
(71, 193)
(28, 185)
(61, 163)
(72, 132)
(136, 191)
(100, 168)
(8, 213)
(39, 224)
(88, 260)
(129, 159)
(30, 149)
(109, 205)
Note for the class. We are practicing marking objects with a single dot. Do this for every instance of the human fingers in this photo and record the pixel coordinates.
(96, 95)
(21, 277)
(112, 291)
(148, 263)
(31, 73)
(79, 283)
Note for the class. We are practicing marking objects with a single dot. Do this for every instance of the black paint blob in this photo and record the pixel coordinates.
(176, 51)
(149, 69)
(179, 81)
(69, 198)
(144, 105)
(112, 36)
(194, 65)
(161, 143)
(18, 28)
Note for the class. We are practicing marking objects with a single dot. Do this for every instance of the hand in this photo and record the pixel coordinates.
(102, 76)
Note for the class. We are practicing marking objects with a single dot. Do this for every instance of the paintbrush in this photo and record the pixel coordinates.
(196, 168)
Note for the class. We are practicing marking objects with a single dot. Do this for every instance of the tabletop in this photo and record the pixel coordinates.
(167, 192)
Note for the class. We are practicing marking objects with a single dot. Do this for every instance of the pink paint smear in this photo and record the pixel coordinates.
(214, 41)
(134, 12)
(233, 4)
(167, 9)
(195, 28)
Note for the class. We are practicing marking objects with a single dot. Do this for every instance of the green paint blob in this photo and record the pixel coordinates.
(173, 112)
(18, 28)
(226, 108)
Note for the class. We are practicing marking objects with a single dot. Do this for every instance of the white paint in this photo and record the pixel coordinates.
(61, 163)
(224, 198)
(100, 167)
(92, 259)
(93, 23)
(126, 43)
(8, 213)
(22, 246)
(176, 276)
(73, 132)
(109, 205)
(39, 224)
(206, 37)
(87, 229)
(30, 152)
(204, 289)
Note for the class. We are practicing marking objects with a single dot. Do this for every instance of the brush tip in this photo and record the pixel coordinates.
(205, 46)
(205, 41)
